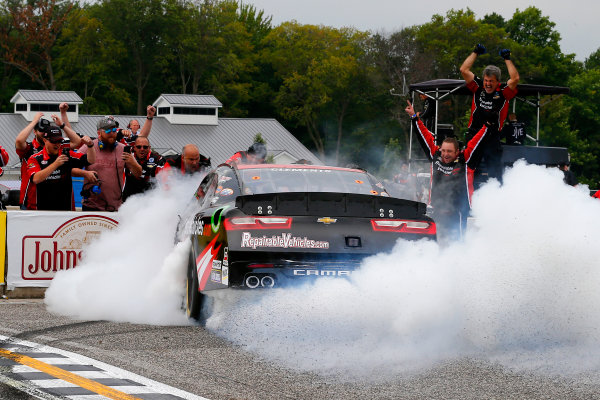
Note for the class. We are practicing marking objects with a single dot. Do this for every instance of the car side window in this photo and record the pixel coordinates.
(228, 187)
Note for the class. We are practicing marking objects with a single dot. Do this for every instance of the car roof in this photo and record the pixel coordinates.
(297, 166)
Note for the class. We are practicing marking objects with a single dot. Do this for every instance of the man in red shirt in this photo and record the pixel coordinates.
(491, 98)
(50, 171)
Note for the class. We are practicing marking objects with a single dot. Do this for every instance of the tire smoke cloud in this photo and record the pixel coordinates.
(522, 289)
(133, 273)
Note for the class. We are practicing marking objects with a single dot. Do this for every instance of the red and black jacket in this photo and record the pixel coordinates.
(56, 191)
(450, 184)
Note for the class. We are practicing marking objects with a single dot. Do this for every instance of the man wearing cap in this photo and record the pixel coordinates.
(256, 154)
(190, 161)
(50, 171)
(26, 149)
(107, 172)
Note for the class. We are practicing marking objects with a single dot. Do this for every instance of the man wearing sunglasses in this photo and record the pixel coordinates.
(149, 160)
(50, 170)
(108, 171)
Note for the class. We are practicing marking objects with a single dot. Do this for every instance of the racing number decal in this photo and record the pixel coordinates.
(204, 262)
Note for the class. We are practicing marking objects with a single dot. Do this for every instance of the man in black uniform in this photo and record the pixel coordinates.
(50, 170)
(149, 160)
(449, 193)
(490, 99)
(256, 154)
(514, 131)
(189, 162)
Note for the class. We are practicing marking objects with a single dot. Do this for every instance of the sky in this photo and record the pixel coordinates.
(575, 20)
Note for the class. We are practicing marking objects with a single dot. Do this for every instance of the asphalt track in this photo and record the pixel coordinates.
(196, 361)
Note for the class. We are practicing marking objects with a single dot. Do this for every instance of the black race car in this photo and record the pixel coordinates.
(266, 226)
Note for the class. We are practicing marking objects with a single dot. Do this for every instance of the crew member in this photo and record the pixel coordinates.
(490, 99)
(189, 162)
(149, 160)
(50, 171)
(256, 154)
(514, 131)
(449, 193)
(107, 173)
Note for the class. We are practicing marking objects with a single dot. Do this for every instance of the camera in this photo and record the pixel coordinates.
(66, 151)
(127, 149)
(10, 197)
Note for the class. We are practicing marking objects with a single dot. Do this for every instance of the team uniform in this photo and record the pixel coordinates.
(177, 164)
(241, 157)
(150, 166)
(32, 148)
(514, 133)
(450, 191)
(487, 107)
(56, 191)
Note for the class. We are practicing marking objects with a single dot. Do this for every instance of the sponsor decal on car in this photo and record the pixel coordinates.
(321, 272)
(285, 240)
(216, 264)
(215, 276)
(226, 256)
(204, 260)
(225, 275)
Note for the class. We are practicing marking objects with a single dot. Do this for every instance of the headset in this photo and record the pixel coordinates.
(102, 145)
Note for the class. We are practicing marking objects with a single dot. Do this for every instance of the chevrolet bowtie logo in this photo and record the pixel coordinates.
(327, 220)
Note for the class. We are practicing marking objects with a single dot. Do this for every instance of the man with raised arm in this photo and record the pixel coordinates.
(449, 193)
(490, 97)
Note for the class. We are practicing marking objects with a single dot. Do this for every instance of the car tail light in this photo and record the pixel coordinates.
(261, 265)
(258, 223)
(404, 226)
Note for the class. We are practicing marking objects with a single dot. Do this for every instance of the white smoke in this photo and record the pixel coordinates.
(523, 288)
(133, 273)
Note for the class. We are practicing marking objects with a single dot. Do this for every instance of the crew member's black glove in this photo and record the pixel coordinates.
(505, 53)
(491, 120)
(479, 49)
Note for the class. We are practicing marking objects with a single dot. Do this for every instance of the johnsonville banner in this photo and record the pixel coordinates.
(40, 243)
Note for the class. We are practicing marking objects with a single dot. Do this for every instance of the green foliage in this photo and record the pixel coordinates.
(331, 87)
(258, 138)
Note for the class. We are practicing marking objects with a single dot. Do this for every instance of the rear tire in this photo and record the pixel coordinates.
(193, 298)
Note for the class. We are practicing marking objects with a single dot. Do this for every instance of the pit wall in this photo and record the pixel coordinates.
(38, 244)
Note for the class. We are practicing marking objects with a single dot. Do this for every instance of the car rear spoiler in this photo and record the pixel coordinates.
(330, 204)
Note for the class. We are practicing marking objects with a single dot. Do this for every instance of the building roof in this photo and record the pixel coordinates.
(190, 100)
(219, 142)
(52, 96)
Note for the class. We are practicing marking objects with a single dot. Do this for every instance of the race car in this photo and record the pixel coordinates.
(267, 226)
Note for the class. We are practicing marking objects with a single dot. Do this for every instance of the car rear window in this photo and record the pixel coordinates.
(281, 179)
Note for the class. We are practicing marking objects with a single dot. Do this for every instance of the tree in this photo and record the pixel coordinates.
(315, 65)
(29, 39)
(140, 25)
(87, 57)
(593, 61)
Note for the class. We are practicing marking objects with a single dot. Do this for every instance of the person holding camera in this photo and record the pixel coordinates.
(50, 171)
(106, 174)
(149, 160)
(25, 149)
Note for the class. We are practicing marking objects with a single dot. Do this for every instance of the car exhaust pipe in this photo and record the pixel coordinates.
(267, 281)
(252, 281)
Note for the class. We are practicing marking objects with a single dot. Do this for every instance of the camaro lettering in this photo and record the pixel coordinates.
(317, 272)
(285, 240)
